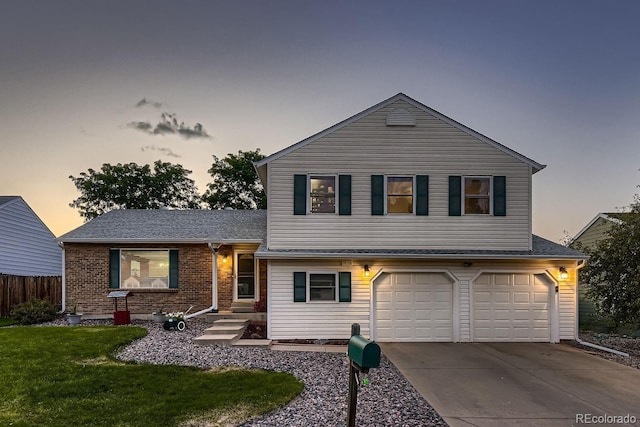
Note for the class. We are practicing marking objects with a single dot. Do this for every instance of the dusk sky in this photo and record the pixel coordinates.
(557, 81)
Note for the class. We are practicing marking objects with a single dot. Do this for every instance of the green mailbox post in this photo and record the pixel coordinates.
(363, 354)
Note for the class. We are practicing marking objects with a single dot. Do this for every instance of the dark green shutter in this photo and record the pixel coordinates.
(300, 286)
(300, 194)
(114, 268)
(377, 194)
(422, 195)
(455, 195)
(173, 268)
(344, 188)
(499, 195)
(345, 286)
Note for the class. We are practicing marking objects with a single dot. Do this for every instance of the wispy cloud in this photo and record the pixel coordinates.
(145, 101)
(168, 125)
(163, 150)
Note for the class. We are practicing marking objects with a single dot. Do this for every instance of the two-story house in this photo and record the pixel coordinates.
(398, 218)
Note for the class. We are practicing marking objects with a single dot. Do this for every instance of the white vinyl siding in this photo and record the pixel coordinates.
(299, 320)
(312, 320)
(367, 147)
(567, 315)
(27, 247)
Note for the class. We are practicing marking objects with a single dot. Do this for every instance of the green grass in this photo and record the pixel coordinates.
(62, 376)
(6, 322)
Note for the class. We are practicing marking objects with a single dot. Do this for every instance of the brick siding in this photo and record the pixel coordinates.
(87, 280)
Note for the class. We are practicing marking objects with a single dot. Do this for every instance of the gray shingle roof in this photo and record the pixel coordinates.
(542, 249)
(228, 226)
(139, 225)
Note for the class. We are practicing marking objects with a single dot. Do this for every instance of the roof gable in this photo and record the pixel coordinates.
(404, 120)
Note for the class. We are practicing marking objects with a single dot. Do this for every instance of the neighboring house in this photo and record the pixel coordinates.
(398, 218)
(588, 237)
(27, 246)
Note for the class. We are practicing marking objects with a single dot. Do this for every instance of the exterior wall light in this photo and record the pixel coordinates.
(564, 274)
(366, 270)
(224, 258)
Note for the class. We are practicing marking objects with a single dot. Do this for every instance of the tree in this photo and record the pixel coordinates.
(235, 182)
(130, 186)
(612, 274)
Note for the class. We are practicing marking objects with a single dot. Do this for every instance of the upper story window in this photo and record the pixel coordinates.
(322, 194)
(399, 194)
(477, 195)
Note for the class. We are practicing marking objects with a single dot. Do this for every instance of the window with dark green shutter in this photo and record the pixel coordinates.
(344, 194)
(300, 194)
(499, 195)
(114, 268)
(455, 195)
(300, 286)
(345, 286)
(377, 194)
(173, 268)
(144, 268)
(422, 195)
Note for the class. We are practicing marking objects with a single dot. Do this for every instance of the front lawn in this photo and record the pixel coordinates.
(6, 322)
(62, 376)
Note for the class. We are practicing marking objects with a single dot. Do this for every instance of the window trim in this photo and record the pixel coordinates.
(413, 194)
(336, 192)
(464, 195)
(147, 289)
(336, 298)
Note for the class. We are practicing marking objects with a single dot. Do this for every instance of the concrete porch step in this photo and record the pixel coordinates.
(222, 339)
(242, 307)
(223, 332)
(213, 317)
(253, 343)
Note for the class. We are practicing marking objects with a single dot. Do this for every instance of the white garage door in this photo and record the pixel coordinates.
(413, 307)
(512, 307)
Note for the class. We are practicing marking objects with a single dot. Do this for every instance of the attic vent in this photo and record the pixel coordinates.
(401, 117)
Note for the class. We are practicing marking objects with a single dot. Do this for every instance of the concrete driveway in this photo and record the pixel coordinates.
(513, 384)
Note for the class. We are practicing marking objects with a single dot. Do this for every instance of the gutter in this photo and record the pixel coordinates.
(214, 284)
(64, 281)
(585, 343)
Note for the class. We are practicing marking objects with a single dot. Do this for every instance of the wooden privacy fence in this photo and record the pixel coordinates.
(17, 289)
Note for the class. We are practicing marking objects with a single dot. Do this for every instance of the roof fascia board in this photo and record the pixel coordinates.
(401, 96)
(158, 241)
(307, 255)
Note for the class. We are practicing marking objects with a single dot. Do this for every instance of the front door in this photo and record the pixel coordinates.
(245, 277)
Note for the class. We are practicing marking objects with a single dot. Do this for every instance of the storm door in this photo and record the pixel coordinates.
(245, 277)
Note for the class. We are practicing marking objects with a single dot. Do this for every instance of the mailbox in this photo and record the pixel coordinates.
(365, 353)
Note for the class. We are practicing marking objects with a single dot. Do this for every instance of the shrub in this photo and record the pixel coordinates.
(34, 311)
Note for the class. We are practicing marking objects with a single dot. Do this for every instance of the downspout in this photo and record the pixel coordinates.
(64, 281)
(585, 343)
(214, 284)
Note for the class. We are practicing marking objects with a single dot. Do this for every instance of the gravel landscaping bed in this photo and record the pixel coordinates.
(388, 399)
(617, 342)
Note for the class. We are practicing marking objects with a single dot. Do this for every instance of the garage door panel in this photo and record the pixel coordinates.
(415, 307)
(423, 315)
(511, 307)
(521, 297)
